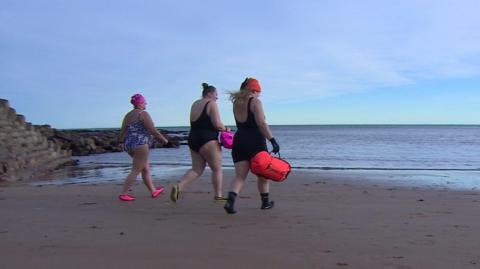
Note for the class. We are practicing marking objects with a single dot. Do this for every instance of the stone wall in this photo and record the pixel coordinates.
(25, 152)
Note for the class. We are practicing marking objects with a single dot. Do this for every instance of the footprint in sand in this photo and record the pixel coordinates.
(417, 215)
(422, 242)
(461, 226)
(88, 203)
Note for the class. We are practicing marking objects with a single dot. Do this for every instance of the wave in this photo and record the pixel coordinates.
(186, 164)
(386, 168)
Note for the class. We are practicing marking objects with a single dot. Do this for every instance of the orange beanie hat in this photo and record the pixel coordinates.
(253, 84)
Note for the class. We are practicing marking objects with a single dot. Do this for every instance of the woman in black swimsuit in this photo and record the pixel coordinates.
(203, 142)
(252, 130)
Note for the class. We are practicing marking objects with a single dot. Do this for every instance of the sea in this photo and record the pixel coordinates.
(446, 156)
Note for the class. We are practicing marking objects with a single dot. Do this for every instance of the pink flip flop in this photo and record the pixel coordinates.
(126, 197)
(157, 192)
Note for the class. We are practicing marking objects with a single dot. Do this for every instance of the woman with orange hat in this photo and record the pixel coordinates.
(205, 124)
(136, 132)
(252, 130)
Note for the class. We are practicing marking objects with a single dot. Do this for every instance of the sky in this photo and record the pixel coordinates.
(75, 64)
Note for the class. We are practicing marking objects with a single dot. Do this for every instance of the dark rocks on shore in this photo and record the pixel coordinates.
(95, 141)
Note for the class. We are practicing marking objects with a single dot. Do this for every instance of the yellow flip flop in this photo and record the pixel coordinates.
(174, 194)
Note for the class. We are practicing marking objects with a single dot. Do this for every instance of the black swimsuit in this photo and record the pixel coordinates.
(248, 139)
(201, 131)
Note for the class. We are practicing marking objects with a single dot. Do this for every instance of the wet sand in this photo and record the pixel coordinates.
(320, 220)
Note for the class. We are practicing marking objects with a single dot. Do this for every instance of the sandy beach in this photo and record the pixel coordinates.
(320, 220)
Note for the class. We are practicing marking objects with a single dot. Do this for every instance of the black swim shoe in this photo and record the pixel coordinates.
(230, 203)
(229, 208)
(267, 205)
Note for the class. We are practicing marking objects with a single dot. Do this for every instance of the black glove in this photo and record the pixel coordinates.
(276, 147)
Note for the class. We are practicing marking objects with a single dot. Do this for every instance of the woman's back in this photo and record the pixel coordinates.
(136, 133)
(199, 117)
(202, 129)
(243, 112)
(248, 139)
(133, 117)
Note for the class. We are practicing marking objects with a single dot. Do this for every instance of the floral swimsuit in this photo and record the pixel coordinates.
(137, 135)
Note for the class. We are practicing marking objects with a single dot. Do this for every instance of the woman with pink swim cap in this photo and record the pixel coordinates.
(137, 130)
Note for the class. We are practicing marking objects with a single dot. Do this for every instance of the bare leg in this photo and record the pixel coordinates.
(213, 154)
(263, 185)
(138, 163)
(241, 172)
(198, 166)
(147, 178)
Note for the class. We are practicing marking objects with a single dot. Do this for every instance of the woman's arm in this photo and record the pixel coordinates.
(123, 130)
(262, 124)
(215, 117)
(260, 118)
(148, 123)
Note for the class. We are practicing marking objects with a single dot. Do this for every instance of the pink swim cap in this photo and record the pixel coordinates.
(138, 99)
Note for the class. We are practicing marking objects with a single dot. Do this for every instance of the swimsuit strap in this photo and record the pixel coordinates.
(250, 121)
(203, 116)
(139, 114)
(249, 111)
(204, 111)
(250, 116)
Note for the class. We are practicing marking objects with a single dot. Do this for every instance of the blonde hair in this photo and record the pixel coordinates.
(239, 96)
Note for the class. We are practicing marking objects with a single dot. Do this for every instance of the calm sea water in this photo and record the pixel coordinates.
(438, 149)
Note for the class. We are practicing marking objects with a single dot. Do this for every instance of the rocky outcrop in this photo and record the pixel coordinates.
(25, 152)
(95, 141)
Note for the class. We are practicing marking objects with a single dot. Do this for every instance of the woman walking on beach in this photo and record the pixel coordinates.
(205, 124)
(252, 130)
(136, 132)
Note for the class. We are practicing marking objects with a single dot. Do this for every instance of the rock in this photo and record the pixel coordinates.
(84, 142)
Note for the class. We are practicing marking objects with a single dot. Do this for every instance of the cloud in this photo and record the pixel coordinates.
(300, 51)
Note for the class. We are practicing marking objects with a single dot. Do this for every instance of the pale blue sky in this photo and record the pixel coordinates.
(74, 64)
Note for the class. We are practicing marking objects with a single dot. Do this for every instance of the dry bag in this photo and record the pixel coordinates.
(265, 165)
(226, 139)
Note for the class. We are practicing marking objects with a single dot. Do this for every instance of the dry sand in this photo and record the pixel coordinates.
(320, 220)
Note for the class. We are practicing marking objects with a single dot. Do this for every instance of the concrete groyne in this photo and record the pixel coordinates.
(25, 152)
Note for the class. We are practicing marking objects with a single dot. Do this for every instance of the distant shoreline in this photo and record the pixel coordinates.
(292, 125)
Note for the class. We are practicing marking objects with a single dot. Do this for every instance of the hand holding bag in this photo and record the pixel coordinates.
(226, 139)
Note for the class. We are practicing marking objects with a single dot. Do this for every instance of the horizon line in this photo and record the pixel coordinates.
(333, 124)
